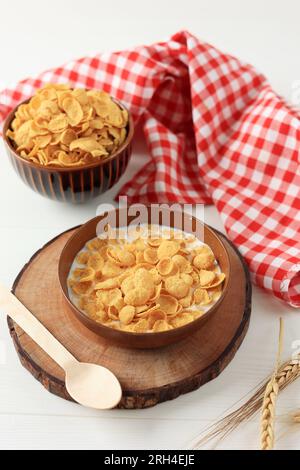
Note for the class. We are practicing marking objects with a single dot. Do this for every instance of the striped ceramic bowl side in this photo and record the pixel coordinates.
(75, 185)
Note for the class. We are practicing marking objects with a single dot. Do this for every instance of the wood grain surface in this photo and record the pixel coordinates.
(147, 377)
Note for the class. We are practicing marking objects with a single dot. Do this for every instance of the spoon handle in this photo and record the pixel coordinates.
(31, 325)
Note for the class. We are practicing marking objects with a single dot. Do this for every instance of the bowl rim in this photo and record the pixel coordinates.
(98, 163)
(131, 334)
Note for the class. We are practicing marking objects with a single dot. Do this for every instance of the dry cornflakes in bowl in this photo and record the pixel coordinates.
(69, 144)
(143, 291)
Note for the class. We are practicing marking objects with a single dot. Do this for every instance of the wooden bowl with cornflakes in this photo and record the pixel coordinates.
(67, 181)
(143, 294)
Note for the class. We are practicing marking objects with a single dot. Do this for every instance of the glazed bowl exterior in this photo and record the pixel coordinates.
(76, 184)
(139, 340)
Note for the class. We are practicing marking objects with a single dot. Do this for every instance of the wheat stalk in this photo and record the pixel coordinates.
(286, 373)
(268, 414)
(296, 417)
(269, 401)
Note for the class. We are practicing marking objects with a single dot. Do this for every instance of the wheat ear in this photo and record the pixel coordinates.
(296, 417)
(287, 373)
(268, 415)
(269, 401)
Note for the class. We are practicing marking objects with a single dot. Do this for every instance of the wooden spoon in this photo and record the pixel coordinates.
(89, 384)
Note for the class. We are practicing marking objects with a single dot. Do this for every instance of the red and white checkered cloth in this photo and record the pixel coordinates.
(217, 133)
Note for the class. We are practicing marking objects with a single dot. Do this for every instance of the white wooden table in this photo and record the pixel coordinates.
(264, 33)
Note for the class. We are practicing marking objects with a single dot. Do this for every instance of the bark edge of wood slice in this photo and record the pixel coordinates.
(155, 377)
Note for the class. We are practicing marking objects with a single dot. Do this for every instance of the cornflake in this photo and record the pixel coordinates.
(65, 127)
(146, 285)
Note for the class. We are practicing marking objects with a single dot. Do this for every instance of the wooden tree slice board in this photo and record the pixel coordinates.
(147, 377)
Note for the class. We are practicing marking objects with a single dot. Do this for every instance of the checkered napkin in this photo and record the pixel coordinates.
(217, 133)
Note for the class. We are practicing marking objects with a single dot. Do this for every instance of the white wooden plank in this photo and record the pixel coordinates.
(66, 432)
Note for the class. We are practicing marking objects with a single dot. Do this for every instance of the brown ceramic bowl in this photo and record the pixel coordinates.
(140, 340)
(74, 185)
